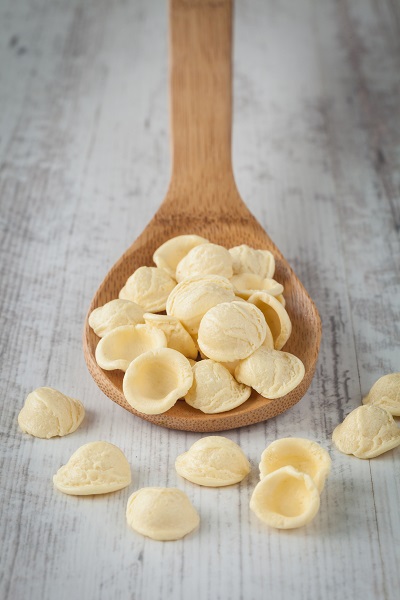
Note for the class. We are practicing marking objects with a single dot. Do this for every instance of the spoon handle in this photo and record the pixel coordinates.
(201, 91)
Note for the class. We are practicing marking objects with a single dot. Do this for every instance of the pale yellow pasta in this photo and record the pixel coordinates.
(231, 331)
(272, 373)
(231, 366)
(122, 345)
(207, 259)
(177, 336)
(214, 389)
(149, 287)
(302, 454)
(115, 313)
(249, 260)
(213, 461)
(161, 513)
(286, 499)
(366, 432)
(173, 250)
(246, 284)
(386, 393)
(48, 413)
(155, 380)
(95, 468)
(275, 315)
(193, 297)
(281, 299)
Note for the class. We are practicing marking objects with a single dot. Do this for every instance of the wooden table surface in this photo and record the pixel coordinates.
(84, 161)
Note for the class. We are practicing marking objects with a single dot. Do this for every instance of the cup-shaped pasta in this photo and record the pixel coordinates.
(366, 432)
(122, 345)
(214, 389)
(161, 513)
(155, 380)
(281, 299)
(172, 251)
(269, 340)
(48, 413)
(286, 499)
(207, 259)
(302, 454)
(386, 393)
(271, 373)
(231, 366)
(192, 298)
(246, 284)
(275, 315)
(149, 287)
(177, 336)
(231, 331)
(213, 461)
(115, 313)
(95, 468)
(249, 260)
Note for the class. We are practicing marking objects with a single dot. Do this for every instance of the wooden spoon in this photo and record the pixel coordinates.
(203, 199)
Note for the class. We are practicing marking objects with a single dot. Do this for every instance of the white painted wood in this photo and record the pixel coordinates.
(84, 148)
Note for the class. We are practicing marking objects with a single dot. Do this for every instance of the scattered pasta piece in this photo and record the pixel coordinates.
(286, 499)
(302, 454)
(213, 461)
(122, 345)
(48, 413)
(162, 514)
(386, 393)
(366, 432)
(214, 389)
(155, 380)
(95, 468)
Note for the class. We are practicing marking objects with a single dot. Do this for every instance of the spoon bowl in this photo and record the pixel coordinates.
(203, 199)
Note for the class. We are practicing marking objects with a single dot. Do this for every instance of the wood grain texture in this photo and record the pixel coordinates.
(202, 199)
(84, 163)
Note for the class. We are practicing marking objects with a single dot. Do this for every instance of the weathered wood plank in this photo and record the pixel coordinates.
(84, 147)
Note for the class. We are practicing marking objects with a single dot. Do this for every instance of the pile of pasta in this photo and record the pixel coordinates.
(206, 324)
